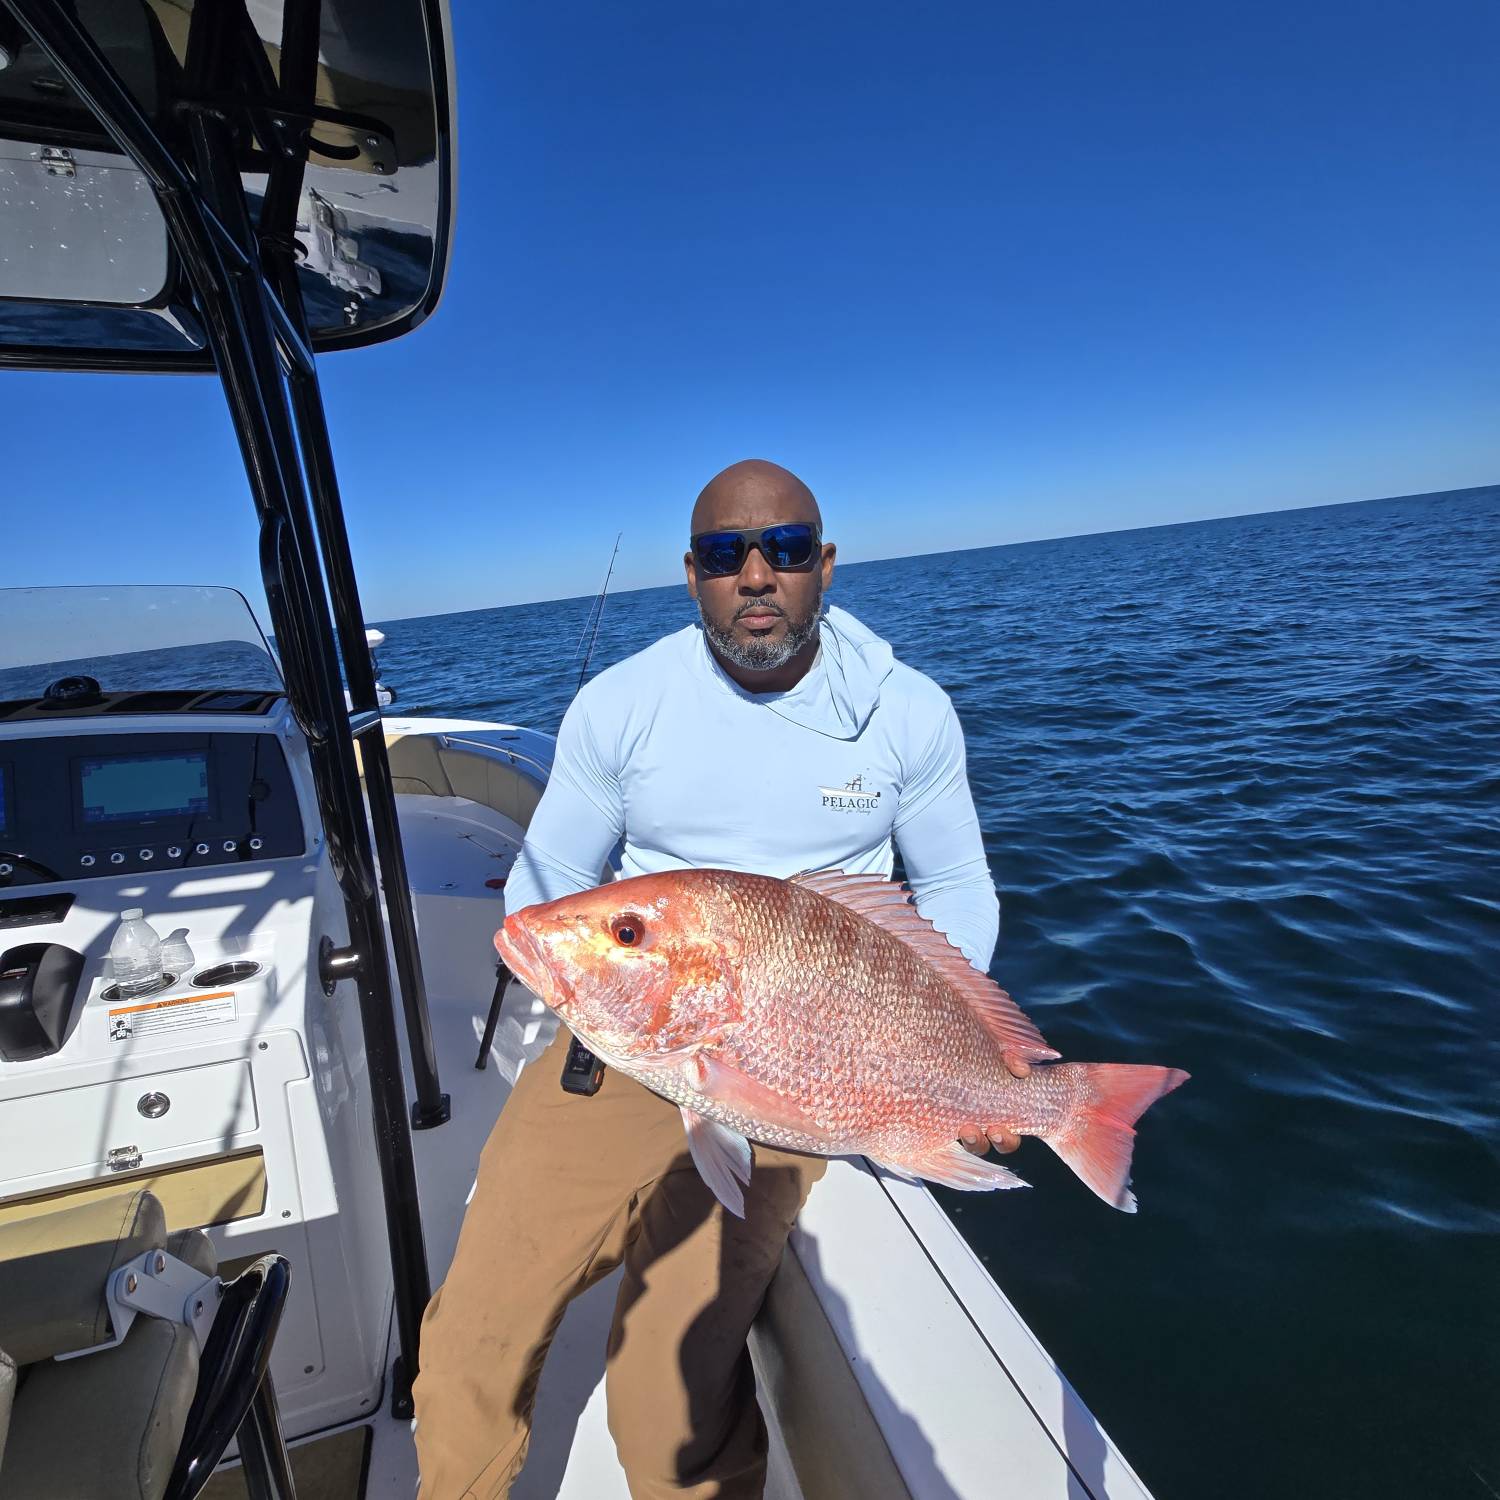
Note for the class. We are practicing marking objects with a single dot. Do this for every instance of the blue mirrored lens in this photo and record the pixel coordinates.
(720, 553)
(787, 546)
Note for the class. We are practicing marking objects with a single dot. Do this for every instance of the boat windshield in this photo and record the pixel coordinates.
(131, 638)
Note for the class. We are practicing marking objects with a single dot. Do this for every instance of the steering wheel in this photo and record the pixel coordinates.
(11, 857)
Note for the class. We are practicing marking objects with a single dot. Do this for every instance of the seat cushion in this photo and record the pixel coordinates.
(106, 1426)
(54, 1265)
(194, 1248)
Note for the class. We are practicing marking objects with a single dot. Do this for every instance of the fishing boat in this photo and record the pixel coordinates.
(225, 1198)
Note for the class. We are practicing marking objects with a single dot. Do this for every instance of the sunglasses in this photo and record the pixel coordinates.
(791, 548)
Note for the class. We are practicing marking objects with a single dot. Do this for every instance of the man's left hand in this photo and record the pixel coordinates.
(1004, 1141)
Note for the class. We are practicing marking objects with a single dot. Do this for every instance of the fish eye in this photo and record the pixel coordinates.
(628, 929)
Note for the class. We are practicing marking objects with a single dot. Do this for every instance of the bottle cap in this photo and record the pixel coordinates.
(133, 915)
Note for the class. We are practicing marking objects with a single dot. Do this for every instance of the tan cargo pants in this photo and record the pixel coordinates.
(568, 1189)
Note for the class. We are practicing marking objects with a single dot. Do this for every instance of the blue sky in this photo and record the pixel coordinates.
(980, 273)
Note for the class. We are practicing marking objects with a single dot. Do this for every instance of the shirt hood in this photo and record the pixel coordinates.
(840, 692)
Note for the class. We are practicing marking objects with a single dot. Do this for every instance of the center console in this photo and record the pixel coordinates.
(78, 807)
(235, 1091)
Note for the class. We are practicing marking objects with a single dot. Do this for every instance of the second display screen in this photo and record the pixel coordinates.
(141, 788)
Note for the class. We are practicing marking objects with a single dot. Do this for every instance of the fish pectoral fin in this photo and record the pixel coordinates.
(722, 1157)
(719, 1080)
(954, 1167)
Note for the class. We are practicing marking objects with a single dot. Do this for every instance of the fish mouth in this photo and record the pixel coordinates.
(522, 954)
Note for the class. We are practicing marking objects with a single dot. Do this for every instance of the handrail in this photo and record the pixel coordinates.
(235, 1394)
(539, 771)
(431, 1106)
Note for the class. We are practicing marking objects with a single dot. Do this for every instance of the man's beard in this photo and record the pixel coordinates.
(762, 655)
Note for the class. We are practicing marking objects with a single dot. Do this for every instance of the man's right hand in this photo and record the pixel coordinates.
(977, 1141)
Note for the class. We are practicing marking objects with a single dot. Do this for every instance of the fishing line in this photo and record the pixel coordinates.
(596, 614)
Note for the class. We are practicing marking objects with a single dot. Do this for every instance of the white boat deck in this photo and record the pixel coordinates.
(572, 1455)
(451, 852)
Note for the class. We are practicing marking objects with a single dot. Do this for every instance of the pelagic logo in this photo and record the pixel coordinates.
(853, 796)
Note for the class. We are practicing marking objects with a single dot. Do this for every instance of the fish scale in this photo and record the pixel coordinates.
(821, 1014)
(902, 1050)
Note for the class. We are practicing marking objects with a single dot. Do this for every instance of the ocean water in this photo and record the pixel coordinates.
(1240, 786)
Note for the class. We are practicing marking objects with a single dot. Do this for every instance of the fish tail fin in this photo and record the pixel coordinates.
(1098, 1136)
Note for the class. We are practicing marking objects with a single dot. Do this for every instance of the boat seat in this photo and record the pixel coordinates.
(106, 1426)
(423, 766)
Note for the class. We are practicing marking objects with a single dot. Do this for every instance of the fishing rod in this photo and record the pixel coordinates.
(596, 614)
(582, 1072)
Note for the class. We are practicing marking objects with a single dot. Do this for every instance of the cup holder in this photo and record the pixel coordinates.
(235, 972)
(112, 992)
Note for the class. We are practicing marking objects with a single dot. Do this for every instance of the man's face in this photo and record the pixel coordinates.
(759, 619)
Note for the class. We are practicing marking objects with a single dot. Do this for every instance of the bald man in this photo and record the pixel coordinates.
(773, 737)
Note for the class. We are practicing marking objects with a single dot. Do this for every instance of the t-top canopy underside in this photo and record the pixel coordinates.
(340, 113)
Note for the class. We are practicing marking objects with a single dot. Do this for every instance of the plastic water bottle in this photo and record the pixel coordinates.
(135, 954)
(176, 956)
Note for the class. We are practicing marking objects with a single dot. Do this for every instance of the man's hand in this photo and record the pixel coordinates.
(1004, 1141)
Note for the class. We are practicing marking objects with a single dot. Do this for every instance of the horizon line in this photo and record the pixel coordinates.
(1062, 536)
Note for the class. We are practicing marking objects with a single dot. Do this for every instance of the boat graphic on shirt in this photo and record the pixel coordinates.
(853, 796)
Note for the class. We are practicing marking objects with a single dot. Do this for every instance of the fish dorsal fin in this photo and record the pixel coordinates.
(889, 907)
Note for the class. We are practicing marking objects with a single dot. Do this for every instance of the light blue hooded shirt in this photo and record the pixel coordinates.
(666, 752)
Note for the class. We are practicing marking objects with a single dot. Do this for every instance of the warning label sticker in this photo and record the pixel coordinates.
(184, 1013)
